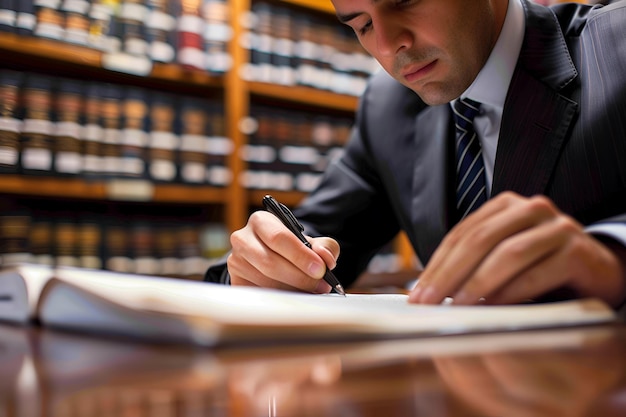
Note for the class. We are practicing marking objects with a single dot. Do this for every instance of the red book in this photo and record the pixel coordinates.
(191, 25)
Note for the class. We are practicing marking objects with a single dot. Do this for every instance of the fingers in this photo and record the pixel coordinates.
(246, 274)
(265, 253)
(328, 249)
(514, 249)
(468, 244)
(518, 266)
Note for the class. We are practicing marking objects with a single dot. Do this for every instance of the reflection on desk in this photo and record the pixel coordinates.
(567, 372)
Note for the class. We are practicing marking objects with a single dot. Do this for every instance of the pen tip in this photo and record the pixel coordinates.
(340, 290)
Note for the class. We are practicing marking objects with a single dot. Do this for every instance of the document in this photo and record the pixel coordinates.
(171, 310)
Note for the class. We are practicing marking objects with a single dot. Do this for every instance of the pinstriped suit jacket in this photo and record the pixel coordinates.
(563, 134)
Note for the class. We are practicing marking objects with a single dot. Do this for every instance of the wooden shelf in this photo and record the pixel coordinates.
(305, 95)
(101, 190)
(27, 49)
(288, 198)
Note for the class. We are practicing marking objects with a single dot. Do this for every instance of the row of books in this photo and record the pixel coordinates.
(59, 126)
(100, 241)
(289, 47)
(289, 150)
(133, 33)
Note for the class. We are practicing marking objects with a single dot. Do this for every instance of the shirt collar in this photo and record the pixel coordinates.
(492, 83)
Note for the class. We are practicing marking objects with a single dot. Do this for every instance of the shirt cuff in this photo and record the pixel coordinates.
(616, 231)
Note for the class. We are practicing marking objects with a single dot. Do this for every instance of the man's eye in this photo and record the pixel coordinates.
(365, 28)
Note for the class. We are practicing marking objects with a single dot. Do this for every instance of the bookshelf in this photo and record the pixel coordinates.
(239, 96)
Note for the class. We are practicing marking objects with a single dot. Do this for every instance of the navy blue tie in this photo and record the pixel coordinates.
(471, 189)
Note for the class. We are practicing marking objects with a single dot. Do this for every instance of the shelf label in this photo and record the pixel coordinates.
(130, 190)
(127, 63)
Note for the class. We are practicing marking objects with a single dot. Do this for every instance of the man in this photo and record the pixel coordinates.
(550, 93)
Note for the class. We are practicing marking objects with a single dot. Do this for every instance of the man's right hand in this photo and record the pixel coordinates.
(266, 254)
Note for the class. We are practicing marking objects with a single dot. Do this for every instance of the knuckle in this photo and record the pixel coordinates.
(481, 236)
(273, 237)
(541, 204)
(236, 240)
(508, 197)
(515, 249)
(566, 224)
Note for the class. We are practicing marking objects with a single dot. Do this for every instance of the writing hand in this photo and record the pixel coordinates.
(266, 254)
(515, 248)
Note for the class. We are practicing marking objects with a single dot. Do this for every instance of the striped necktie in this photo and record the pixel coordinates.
(471, 189)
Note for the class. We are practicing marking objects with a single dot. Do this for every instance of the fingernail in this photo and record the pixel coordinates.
(316, 270)
(427, 295)
(460, 298)
(415, 294)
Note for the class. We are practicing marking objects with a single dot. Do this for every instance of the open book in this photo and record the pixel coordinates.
(172, 310)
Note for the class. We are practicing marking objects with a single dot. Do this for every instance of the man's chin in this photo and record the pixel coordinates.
(434, 95)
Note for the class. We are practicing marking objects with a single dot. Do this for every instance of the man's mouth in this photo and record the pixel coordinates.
(414, 73)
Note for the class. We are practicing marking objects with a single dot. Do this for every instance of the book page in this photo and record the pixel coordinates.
(213, 306)
(20, 287)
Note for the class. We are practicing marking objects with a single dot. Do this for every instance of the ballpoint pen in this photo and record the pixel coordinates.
(289, 220)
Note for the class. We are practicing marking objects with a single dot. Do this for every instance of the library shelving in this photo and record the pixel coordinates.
(236, 95)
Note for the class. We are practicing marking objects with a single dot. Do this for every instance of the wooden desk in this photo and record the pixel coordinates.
(575, 372)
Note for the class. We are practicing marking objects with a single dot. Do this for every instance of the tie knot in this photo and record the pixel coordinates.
(465, 110)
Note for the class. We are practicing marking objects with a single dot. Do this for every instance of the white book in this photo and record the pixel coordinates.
(178, 311)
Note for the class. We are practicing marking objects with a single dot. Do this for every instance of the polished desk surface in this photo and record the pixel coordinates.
(566, 372)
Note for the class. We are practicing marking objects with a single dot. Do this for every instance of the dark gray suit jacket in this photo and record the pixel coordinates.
(563, 134)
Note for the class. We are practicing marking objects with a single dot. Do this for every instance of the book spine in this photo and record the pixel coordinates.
(192, 264)
(50, 21)
(38, 125)
(90, 242)
(117, 248)
(193, 146)
(259, 42)
(219, 148)
(131, 18)
(8, 16)
(14, 236)
(190, 28)
(166, 250)
(25, 19)
(10, 123)
(134, 138)
(143, 248)
(92, 132)
(101, 17)
(217, 34)
(68, 149)
(111, 110)
(260, 153)
(163, 142)
(66, 235)
(160, 26)
(283, 46)
(41, 238)
(76, 18)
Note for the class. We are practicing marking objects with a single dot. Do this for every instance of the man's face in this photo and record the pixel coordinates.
(434, 47)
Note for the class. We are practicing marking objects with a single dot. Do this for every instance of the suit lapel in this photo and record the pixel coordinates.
(537, 116)
(430, 205)
(534, 128)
